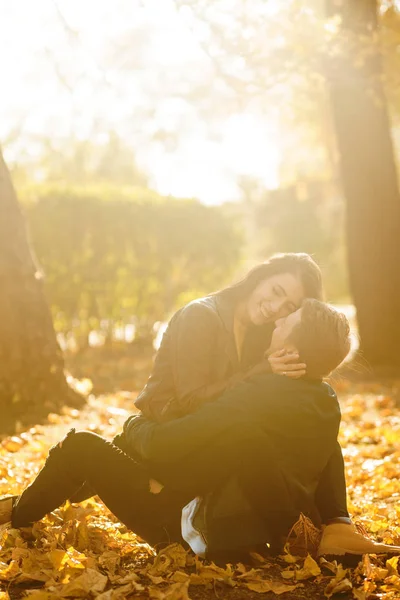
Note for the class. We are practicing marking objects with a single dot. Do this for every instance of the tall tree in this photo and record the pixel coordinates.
(369, 179)
(32, 381)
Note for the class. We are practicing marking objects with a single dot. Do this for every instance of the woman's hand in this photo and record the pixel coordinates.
(286, 363)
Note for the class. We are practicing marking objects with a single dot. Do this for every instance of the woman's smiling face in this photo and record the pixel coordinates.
(274, 298)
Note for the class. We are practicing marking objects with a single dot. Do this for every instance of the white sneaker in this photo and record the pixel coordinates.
(6, 506)
(343, 538)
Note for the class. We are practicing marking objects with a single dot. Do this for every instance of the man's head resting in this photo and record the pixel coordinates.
(318, 332)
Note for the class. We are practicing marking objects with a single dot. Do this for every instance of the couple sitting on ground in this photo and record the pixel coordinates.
(230, 464)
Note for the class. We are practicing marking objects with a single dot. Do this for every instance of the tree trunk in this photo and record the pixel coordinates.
(370, 183)
(32, 381)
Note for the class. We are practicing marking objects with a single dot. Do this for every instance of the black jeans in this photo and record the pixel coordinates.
(121, 482)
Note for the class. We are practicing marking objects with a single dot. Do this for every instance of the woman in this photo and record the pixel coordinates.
(214, 342)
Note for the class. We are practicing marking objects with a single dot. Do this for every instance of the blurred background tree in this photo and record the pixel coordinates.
(369, 178)
(32, 380)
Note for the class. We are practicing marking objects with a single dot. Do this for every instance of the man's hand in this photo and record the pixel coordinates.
(286, 363)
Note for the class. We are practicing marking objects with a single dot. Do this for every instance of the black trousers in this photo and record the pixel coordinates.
(121, 482)
(331, 495)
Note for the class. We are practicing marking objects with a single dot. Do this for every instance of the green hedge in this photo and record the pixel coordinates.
(110, 255)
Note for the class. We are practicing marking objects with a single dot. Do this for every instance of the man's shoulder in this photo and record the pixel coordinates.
(279, 389)
(287, 384)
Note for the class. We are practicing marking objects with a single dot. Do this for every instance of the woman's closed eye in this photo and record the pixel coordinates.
(279, 291)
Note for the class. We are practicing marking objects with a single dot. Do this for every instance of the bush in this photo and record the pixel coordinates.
(109, 255)
(307, 217)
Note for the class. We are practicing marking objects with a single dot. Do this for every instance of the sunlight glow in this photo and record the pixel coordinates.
(59, 85)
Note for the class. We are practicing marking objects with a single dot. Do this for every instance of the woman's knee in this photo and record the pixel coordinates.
(79, 441)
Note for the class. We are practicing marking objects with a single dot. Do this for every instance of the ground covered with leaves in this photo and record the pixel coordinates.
(81, 551)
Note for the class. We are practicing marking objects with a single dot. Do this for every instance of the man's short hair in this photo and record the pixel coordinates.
(322, 337)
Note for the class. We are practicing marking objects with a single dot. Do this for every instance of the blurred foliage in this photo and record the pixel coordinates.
(301, 219)
(305, 217)
(104, 159)
(118, 255)
(274, 58)
(268, 59)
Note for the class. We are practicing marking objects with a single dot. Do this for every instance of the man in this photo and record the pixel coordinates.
(278, 433)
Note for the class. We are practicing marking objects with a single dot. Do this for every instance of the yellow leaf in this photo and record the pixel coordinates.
(132, 579)
(171, 558)
(379, 574)
(75, 559)
(89, 581)
(338, 587)
(310, 569)
(179, 577)
(213, 572)
(288, 574)
(331, 566)
(58, 558)
(392, 580)
(264, 586)
(110, 561)
(9, 572)
(391, 565)
(241, 568)
(290, 559)
(312, 566)
(177, 591)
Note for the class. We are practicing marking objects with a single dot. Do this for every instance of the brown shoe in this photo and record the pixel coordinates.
(343, 538)
(6, 506)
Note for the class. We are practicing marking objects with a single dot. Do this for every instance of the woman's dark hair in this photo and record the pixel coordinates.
(299, 264)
